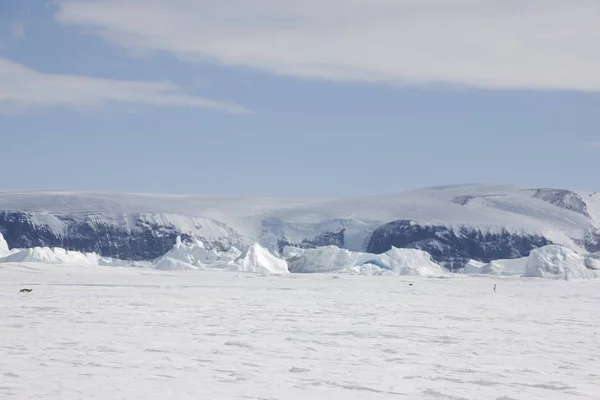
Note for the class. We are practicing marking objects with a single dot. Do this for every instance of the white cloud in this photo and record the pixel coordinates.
(17, 29)
(22, 88)
(498, 44)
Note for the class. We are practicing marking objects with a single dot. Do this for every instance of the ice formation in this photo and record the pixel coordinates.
(52, 255)
(196, 254)
(396, 261)
(559, 262)
(4, 250)
(259, 259)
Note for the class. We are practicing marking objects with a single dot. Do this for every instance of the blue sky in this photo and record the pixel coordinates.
(328, 97)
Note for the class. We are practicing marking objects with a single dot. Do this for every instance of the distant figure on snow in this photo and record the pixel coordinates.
(494, 288)
(25, 290)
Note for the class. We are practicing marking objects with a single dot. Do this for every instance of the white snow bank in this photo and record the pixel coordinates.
(396, 261)
(473, 267)
(559, 262)
(515, 266)
(4, 250)
(259, 259)
(54, 255)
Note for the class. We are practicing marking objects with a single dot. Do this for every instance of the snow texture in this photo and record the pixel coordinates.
(556, 262)
(139, 334)
(396, 261)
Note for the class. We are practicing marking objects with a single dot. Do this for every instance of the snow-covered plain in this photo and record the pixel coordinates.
(89, 332)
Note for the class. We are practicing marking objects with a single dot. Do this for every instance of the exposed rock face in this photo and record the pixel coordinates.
(566, 199)
(451, 248)
(131, 237)
(454, 224)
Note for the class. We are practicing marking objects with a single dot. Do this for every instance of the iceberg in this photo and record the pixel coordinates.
(509, 267)
(258, 259)
(52, 255)
(557, 262)
(4, 250)
(395, 261)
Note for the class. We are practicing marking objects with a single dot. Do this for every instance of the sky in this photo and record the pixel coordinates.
(311, 98)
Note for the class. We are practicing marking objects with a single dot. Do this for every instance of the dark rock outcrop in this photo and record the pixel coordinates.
(452, 248)
(128, 238)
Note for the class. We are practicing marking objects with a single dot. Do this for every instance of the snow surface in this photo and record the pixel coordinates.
(558, 262)
(246, 219)
(396, 261)
(139, 334)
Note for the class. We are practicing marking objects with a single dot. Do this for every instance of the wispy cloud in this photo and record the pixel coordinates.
(17, 29)
(595, 144)
(22, 88)
(528, 44)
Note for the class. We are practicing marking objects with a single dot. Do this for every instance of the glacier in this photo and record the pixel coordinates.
(453, 223)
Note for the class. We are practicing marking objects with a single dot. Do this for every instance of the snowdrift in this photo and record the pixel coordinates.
(395, 261)
(557, 262)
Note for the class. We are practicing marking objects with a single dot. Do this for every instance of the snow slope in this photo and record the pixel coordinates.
(136, 334)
